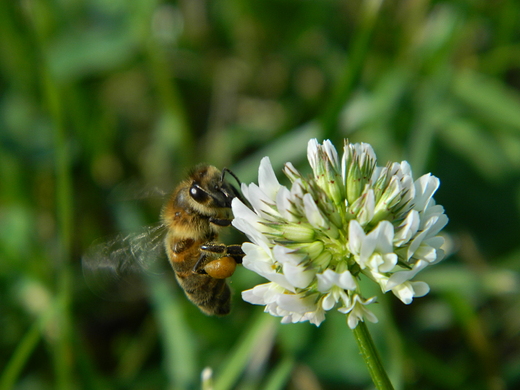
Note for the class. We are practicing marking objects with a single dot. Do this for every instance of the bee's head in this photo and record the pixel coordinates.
(209, 187)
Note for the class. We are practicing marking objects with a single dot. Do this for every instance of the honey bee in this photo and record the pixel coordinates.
(190, 222)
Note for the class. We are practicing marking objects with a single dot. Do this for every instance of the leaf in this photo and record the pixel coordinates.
(489, 98)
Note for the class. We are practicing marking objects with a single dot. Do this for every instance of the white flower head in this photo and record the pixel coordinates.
(351, 219)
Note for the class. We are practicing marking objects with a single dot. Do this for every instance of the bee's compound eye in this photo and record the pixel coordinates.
(198, 194)
(221, 268)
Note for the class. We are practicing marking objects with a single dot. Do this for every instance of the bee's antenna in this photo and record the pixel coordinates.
(232, 174)
(236, 192)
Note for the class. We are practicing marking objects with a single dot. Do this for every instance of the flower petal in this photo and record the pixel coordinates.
(297, 303)
(330, 278)
(285, 205)
(356, 235)
(313, 155)
(332, 154)
(312, 213)
(297, 275)
(407, 229)
(257, 295)
(261, 202)
(425, 187)
(259, 259)
(403, 276)
(267, 180)
(407, 291)
(357, 311)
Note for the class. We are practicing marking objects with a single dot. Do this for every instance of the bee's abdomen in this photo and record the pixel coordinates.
(212, 296)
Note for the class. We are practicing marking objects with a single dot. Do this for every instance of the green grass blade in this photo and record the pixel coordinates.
(244, 350)
(20, 356)
(278, 378)
(27, 345)
(178, 341)
(360, 47)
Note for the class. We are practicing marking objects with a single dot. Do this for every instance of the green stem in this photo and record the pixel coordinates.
(371, 357)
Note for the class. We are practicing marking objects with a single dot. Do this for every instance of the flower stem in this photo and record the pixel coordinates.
(371, 357)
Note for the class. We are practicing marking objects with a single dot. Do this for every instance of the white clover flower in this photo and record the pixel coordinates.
(351, 219)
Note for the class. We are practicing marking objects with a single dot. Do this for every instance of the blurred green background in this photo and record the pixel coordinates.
(103, 101)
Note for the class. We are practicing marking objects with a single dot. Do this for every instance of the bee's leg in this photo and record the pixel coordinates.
(208, 252)
(220, 249)
(220, 221)
(234, 251)
(198, 268)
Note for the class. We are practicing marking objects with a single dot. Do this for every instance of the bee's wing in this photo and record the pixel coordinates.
(112, 267)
